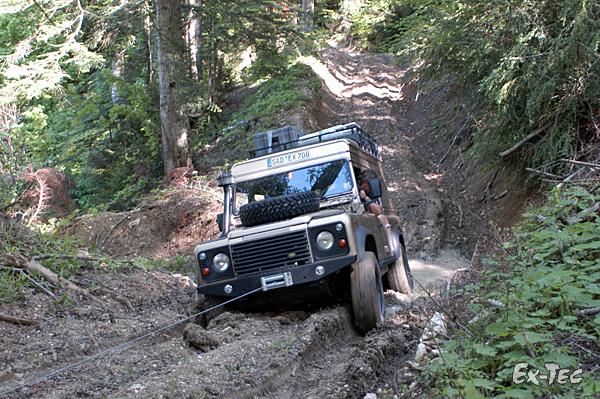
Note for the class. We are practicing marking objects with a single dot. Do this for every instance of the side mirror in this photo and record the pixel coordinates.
(374, 188)
(220, 222)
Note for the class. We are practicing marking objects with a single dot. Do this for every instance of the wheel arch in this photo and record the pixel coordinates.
(365, 240)
(398, 238)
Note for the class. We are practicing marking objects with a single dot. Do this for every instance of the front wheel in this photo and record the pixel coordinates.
(210, 306)
(399, 276)
(367, 293)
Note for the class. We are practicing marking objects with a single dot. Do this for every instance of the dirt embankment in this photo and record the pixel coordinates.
(169, 226)
(312, 354)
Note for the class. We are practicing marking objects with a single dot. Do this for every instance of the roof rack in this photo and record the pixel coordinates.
(290, 137)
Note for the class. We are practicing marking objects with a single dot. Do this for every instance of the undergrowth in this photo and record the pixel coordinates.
(549, 274)
(268, 105)
(278, 95)
(42, 240)
(533, 64)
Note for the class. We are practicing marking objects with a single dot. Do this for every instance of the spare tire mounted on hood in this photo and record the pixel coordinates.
(278, 208)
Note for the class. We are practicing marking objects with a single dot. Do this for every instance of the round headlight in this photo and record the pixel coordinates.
(325, 240)
(221, 262)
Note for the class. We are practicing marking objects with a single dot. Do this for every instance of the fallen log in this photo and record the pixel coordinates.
(18, 320)
(35, 267)
(79, 257)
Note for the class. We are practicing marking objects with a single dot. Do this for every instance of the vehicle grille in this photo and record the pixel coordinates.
(271, 253)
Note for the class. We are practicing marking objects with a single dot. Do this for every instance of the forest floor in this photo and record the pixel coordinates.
(298, 353)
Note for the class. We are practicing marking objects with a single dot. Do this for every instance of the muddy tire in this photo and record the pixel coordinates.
(367, 293)
(208, 302)
(278, 208)
(399, 276)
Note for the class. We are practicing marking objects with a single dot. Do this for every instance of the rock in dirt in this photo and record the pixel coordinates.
(199, 338)
(135, 388)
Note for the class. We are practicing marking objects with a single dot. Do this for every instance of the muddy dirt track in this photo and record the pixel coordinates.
(295, 354)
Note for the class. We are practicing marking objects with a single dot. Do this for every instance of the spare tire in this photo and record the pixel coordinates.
(278, 208)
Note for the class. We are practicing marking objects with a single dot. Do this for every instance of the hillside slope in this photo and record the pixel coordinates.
(260, 355)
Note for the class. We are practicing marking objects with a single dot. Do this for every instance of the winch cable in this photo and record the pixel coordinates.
(119, 347)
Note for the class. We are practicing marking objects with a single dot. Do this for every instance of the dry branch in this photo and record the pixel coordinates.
(528, 347)
(78, 257)
(580, 216)
(127, 215)
(15, 201)
(41, 198)
(591, 165)
(530, 136)
(456, 136)
(589, 311)
(489, 186)
(35, 267)
(18, 320)
(568, 179)
(499, 196)
(37, 284)
(542, 173)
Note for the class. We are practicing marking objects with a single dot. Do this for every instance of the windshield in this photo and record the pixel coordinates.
(325, 180)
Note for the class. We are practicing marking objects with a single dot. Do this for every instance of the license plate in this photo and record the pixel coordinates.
(288, 158)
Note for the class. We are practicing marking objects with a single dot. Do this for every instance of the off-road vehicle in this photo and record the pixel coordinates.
(294, 223)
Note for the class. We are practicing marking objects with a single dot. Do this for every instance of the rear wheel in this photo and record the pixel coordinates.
(367, 293)
(399, 276)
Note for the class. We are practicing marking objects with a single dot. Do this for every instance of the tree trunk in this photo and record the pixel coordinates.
(193, 38)
(174, 124)
(148, 42)
(308, 13)
(117, 67)
(213, 55)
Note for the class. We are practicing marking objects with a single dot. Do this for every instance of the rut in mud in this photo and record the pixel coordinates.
(291, 354)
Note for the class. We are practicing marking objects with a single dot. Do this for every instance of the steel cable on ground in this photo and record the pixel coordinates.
(117, 348)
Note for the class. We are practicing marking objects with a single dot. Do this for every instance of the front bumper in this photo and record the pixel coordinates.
(295, 276)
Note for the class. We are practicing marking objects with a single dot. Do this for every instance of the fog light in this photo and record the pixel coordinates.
(228, 289)
(319, 270)
(205, 271)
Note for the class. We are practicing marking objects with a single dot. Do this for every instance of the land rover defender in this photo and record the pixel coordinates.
(293, 219)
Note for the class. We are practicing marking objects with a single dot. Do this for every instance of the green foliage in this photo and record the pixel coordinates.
(369, 22)
(554, 273)
(177, 264)
(101, 128)
(11, 286)
(533, 63)
(45, 240)
(265, 26)
(278, 95)
(17, 239)
(269, 104)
